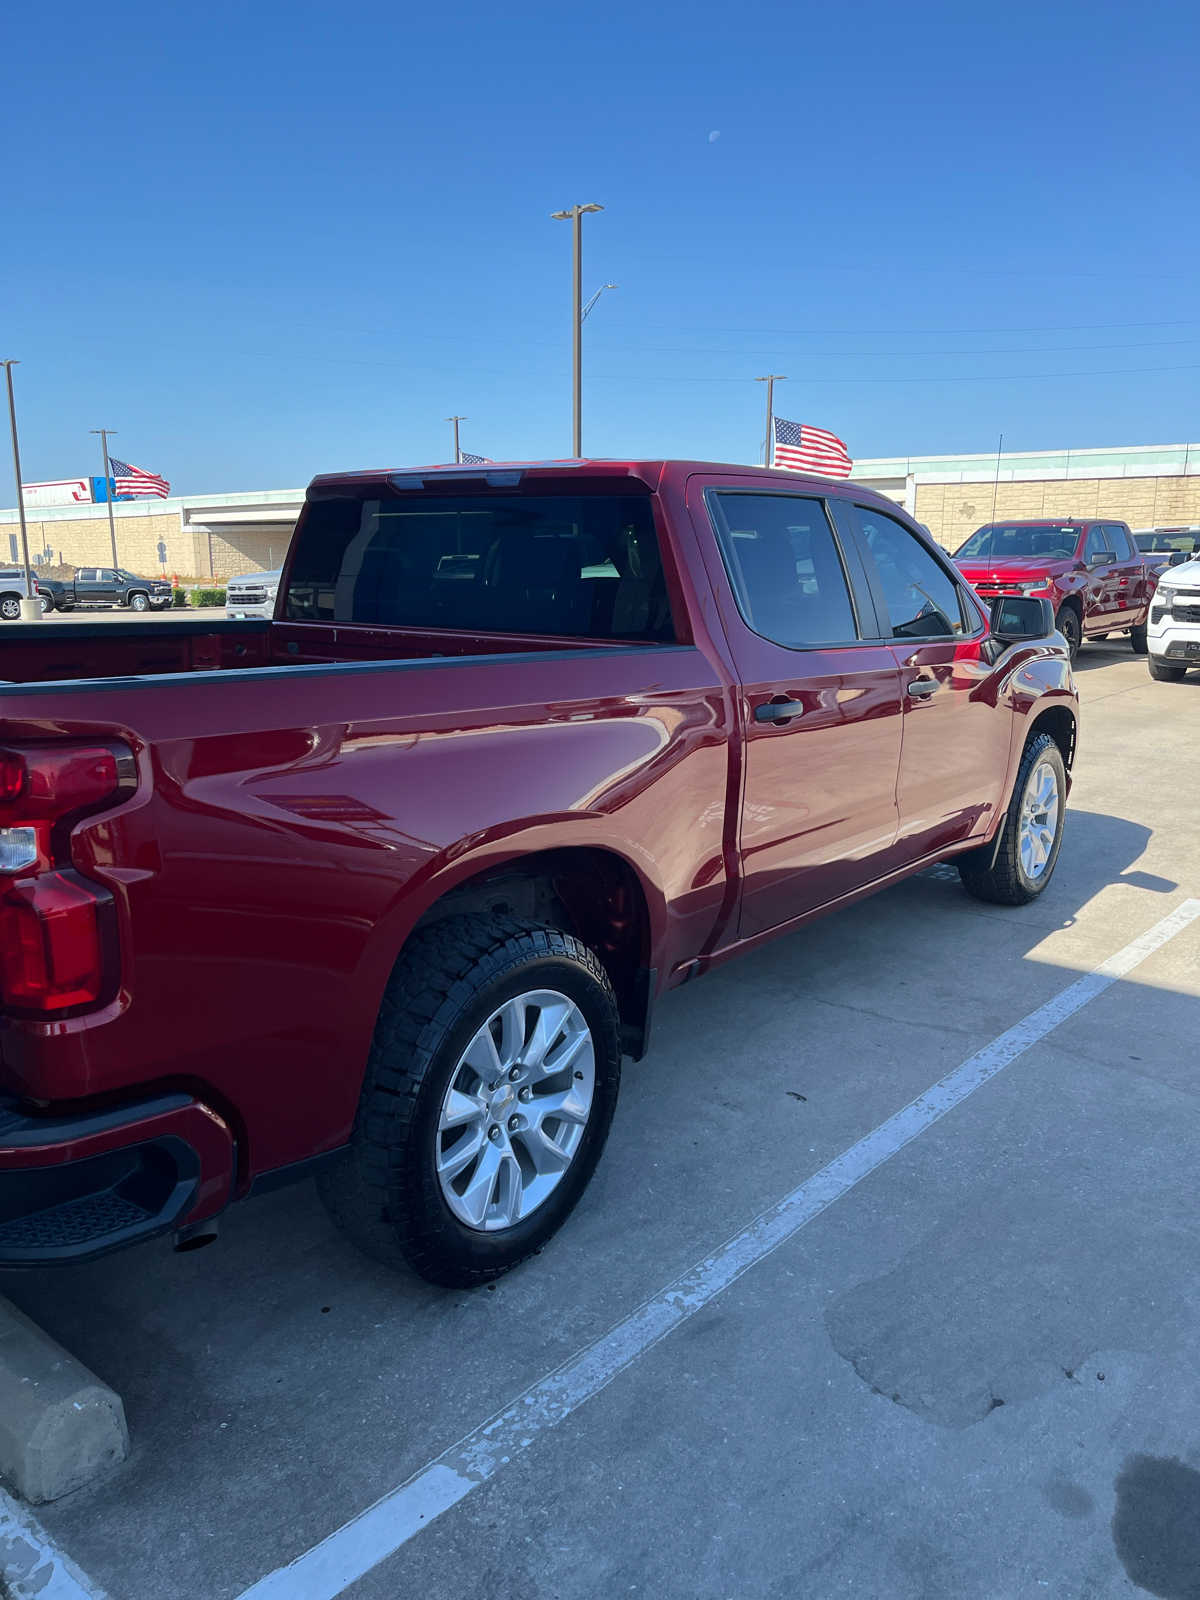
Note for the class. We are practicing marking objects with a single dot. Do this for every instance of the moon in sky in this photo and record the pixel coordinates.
(714, 136)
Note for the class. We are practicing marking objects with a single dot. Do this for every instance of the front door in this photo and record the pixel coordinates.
(821, 703)
(954, 762)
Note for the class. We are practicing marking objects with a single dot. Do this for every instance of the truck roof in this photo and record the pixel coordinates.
(653, 473)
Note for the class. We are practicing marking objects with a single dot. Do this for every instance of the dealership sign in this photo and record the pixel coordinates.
(62, 492)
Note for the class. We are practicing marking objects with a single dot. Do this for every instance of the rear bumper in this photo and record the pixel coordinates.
(76, 1186)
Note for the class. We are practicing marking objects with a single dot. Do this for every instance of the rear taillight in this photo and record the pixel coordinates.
(57, 932)
(51, 949)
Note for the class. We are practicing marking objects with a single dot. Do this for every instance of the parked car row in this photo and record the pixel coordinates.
(91, 587)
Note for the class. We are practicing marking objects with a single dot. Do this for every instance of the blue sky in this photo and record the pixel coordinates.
(266, 240)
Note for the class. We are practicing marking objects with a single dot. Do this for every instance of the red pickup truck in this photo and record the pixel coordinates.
(386, 886)
(1093, 574)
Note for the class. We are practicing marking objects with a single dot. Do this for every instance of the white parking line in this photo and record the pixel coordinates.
(32, 1565)
(361, 1544)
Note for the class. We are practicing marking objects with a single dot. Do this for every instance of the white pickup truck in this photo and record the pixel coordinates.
(253, 595)
(1173, 630)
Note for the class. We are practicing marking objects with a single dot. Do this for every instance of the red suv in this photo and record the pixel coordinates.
(1093, 573)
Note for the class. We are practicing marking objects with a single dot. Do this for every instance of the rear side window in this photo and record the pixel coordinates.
(784, 568)
(923, 601)
(578, 566)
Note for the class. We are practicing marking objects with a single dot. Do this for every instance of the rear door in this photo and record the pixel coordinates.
(89, 591)
(1100, 597)
(1129, 572)
(820, 700)
(954, 760)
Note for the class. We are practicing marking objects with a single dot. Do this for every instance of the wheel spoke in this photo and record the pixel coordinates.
(512, 1030)
(547, 1156)
(566, 1103)
(477, 1196)
(482, 1057)
(549, 1025)
(459, 1109)
(460, 1154)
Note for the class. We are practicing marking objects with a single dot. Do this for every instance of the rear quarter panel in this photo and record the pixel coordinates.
(292, 825)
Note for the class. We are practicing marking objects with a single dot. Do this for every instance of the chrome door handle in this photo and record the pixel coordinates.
(920, 687)
(778, 710)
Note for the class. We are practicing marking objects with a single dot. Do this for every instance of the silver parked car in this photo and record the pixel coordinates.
(13, 591)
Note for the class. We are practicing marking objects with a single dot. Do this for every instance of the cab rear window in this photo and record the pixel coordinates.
(575, 566)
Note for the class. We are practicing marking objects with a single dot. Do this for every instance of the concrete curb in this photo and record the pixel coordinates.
(60, 1427)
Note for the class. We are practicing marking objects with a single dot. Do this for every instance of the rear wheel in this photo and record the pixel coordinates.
(1164, 671)
(1137, 638)
(487, 1101)
(1071, 628)
(1030, 835)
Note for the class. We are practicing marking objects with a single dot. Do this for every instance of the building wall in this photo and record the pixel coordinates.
(84, 542)
(952, 511)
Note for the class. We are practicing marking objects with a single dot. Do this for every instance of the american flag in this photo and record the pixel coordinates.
(807, 449)
(136, 481)
(474, 461)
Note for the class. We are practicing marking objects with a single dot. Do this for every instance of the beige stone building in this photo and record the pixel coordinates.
(1147, 486)
(208, 536)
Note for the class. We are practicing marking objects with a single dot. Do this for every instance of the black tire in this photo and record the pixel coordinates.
(1068, 624)
(10, 608)
(384, 1192)
(1164, 671)
(47, 602)
(139, 602)
(1137, 638)
(1003, 881)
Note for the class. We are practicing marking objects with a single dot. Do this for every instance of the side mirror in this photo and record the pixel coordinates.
(1177, 558)
(1018, 618)
(1102, 558)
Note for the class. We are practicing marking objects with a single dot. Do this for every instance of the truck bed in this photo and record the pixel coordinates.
(71, 652)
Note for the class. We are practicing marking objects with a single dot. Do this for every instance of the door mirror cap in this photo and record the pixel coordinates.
(1018, 618)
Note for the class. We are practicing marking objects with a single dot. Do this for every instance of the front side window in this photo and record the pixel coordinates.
(922, 599)
(575, 566)
(784, 567)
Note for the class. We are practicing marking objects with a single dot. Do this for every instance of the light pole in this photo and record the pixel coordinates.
(583, 315)
(575, 215)
(108, 488)
(771, 379)
(454, 422)
(31, 606)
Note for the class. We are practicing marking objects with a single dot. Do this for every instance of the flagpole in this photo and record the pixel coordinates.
(31, 609)
(996, 481)
(108, 488)
(770, 379)
(454, 422)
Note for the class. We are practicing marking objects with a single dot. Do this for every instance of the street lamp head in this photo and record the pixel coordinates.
(591, 206)
(573, 212)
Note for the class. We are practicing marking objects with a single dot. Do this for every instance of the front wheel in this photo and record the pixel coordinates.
(489, 1091)
(1137, 638)
(1071, 628)
(1164, 671)
(10, 608)
(139, 602)
(47, 602)
(1030, 835)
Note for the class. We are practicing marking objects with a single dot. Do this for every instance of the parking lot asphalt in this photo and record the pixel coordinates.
(971, 1375)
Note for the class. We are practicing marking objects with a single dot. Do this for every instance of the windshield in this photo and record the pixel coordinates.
(1167, 543)
(1016, 541)
(583, 566)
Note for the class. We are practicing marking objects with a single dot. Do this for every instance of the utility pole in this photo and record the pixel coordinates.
(108, 488)
(770, 379)
(575, 215)
(454, 422)
(31, 606)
